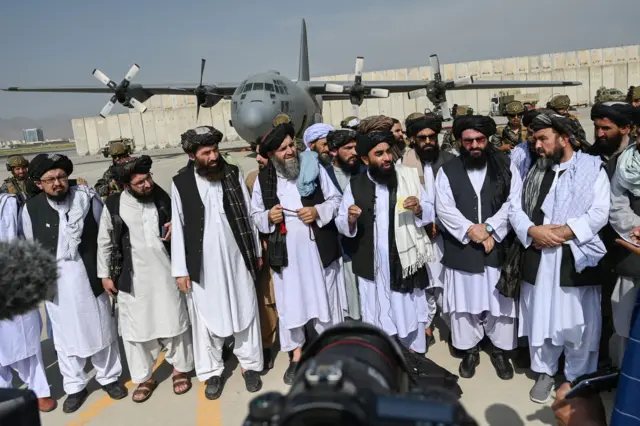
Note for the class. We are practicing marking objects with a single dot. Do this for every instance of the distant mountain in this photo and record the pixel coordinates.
(55, 127)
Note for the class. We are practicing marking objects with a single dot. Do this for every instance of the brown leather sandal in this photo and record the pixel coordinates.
(181, 379)
(145, 390)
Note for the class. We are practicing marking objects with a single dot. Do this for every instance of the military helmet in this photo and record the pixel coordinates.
(559, 102)
(281, 119)
(634, 93)
(515, 107)
(117, 148)
(469, 111)
(350, 122)
(16, 161)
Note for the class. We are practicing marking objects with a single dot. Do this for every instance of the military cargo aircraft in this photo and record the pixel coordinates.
(259, 98)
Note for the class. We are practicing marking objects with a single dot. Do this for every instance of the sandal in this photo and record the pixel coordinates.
(181, 379)
(145, 390)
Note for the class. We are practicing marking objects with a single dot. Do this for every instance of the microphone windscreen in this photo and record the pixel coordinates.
(28, 276)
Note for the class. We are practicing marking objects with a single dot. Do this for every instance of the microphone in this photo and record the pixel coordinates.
(28, 276)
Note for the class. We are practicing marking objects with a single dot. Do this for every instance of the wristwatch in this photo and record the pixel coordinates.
(489, 228)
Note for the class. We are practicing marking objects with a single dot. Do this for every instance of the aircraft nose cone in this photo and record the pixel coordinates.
(254, 115)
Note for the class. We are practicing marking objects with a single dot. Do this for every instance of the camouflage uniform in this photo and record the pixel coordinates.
(108, 184)
(562, 103)
(505, 135)
(449, 142)
(13, 185)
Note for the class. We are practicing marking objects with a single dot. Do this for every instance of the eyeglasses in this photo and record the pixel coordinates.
(423, 138)
(515, 115)
(480, 139)
(52, 180)
(143, 181)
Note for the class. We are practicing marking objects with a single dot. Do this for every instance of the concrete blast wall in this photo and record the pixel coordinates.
(169, 116)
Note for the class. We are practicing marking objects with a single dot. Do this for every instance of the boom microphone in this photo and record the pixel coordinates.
(28, 276)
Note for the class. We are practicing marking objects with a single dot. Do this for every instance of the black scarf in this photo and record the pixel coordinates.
(277, 240)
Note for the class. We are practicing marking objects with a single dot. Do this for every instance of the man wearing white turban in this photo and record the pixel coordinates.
(315, 139)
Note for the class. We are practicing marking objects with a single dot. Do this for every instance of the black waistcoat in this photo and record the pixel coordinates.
(45, 223)
(327, 238)
(471, 257)
(362, 246)
(162, 202)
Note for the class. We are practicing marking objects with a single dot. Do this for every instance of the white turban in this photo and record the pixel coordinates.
(315, 132)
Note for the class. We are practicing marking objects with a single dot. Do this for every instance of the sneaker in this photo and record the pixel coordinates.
(252, 381)
(541, 391)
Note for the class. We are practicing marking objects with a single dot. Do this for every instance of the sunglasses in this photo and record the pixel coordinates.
(515, 115)
(423, 138)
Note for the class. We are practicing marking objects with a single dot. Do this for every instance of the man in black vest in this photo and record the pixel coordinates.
(134, 264)
(472, 193)
(65, 221)
(557, 214)
(215, 257)
(427, 158)
(382, 215)
(303, 244)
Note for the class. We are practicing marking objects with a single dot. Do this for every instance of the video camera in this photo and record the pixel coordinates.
(354, 374)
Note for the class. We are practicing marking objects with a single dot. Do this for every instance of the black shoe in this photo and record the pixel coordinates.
(268, 358)
(469, 363)
(521, 358)
(453, 351)
(214, 387)
(503, 367)
(252, 381)
(74, 401)
(115, 390)
(290, 374)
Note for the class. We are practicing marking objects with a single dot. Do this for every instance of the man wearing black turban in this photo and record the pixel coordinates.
(472, 193)
(612, 130)
(134, 264)
(190, 140)
(64, 219)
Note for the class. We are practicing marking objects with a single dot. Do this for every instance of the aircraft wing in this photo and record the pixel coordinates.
(225, 89)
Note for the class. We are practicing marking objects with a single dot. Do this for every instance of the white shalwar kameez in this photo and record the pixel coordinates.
(82, 323)
(20, 349)
(475, 306)
(154, 315)
(305, 291)
(224, 302)
(405, 315)
(562, 319)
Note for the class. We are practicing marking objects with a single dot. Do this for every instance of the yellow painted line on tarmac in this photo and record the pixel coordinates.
(208, 413)
(105, 402)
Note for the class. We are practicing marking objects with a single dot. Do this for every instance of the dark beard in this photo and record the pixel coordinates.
(547, 162)
(288, 169)
(348, 168)
(325, 159)
(57, 198)
(211, 173)
(383, 177)
(143, 198)
(606, 147)
(471, 162)
(429, 155)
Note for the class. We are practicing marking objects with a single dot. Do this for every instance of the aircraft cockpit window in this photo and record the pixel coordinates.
(278, 89)
(258, 86)
(284, 88)
(268, 87)
(247, 88)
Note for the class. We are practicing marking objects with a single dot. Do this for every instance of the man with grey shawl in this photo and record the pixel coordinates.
(563, 204)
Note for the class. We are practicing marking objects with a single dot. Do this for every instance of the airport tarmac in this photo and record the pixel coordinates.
(488, 399)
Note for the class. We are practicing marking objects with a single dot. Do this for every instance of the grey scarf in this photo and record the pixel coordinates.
(531, 187)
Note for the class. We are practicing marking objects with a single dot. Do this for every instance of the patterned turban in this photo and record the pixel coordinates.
(129, 166)
(42, 163)
(549, 119)
(200, 136)
(340, 137)
(272, 140)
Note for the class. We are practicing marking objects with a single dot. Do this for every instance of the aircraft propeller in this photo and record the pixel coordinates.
(436, 89)
(205, 95)
(121, 92)
(357, 91)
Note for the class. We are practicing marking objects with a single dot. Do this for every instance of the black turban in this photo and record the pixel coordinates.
(366, 142)
(481, 123)
(275, 137)
(200, 136)
(417, 125)
(129, 166)
(340, 137)
(549, 119)
(621, 113)
(42, 163)
(529, 116)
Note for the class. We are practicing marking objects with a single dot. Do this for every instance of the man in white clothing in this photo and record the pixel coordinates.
(562, 205)
(383, 212)
(65, 221)
(20, 350)
(472, 194)
(297, 210)
(135, 267)
(215, 257)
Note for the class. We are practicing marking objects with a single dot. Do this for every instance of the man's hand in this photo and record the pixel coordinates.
(544, 236)
(184, 284)
(275, 214)
(506, 147)
(489, 244)
(260, 263)
(626, 244)
(82, 181)
(578, 411)
(564, 232)
(167, 234)
(109, 287)
(478, 233)
(413, 204)
(431, 230)
(354, 213)
(307, 214)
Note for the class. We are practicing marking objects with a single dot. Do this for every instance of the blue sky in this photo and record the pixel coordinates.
(60, 43)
